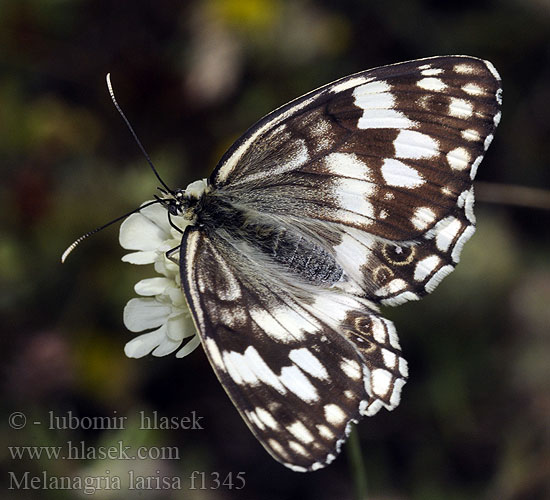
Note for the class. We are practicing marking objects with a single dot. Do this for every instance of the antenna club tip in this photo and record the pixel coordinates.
(109, 85)
(66, 253)
(72, 246)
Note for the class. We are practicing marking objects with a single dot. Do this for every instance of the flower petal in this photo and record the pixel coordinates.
(166, 267)
(142, 314)
(167, 346)
(177, 297)
(189, 347)
(157, 214)
(137, 232)
(140, 258)
(144, 344)
(178, 327)
(153, 286)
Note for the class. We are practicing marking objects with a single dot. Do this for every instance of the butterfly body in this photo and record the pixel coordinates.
(356, 195)
(294, 253)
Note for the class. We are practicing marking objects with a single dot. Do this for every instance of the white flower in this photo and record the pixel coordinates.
(161, 307)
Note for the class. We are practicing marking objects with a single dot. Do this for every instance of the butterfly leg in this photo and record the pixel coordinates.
(170, 255)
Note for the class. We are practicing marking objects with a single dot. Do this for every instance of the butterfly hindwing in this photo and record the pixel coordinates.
(299, 371)
(394, 272)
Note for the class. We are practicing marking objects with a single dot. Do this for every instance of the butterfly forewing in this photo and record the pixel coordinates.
(390, 152)
(354, 195)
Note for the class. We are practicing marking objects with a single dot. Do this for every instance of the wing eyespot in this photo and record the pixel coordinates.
(397, 255)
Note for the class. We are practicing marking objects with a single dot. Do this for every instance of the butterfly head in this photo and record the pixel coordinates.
(183, 202)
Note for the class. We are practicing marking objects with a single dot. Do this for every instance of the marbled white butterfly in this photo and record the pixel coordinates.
(356, 195)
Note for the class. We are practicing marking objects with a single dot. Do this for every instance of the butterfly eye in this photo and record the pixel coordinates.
(174, 207)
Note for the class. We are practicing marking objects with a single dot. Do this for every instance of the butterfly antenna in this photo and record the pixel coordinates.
(73, 245)
(147, 157)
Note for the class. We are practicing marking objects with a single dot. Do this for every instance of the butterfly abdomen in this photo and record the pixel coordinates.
(298, 255)
(295, 253)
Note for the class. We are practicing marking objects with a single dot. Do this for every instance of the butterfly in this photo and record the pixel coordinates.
(354, 196)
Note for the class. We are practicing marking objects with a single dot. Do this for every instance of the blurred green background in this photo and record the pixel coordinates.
(474, 421)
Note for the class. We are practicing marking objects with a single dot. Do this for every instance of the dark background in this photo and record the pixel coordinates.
(192, 76)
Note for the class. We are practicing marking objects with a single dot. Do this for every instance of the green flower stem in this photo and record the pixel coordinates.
(357, 465)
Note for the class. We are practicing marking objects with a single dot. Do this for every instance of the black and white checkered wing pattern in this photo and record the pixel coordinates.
(298, 369)
(379, 165)
(354, 195)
